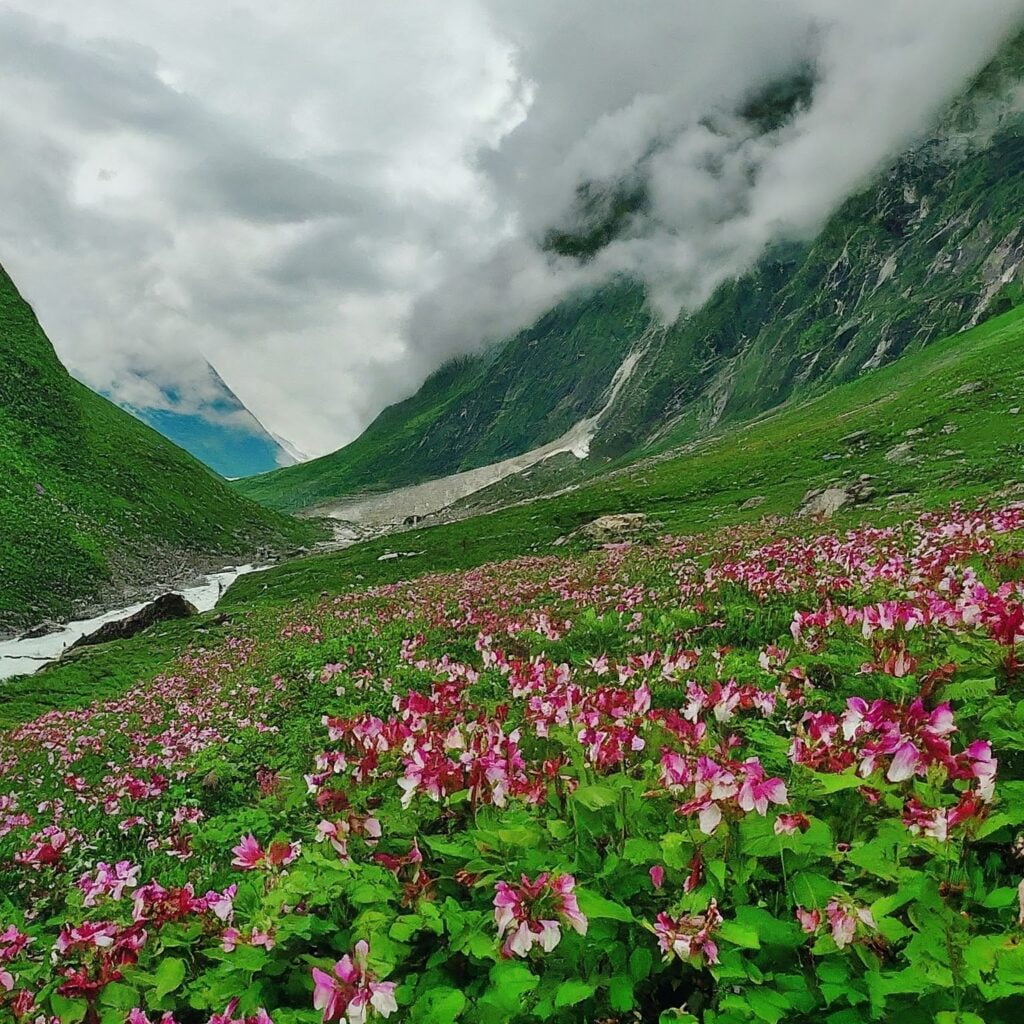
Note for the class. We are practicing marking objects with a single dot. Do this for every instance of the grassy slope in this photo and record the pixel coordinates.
(87, 492)
(778, 458)
(479, 409)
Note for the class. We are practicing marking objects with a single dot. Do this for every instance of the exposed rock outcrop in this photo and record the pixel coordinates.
(164, 608)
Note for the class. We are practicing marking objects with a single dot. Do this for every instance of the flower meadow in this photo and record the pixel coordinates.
(750, 776)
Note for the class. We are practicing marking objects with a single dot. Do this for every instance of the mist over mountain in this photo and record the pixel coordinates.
(223, 433)
(328, 205)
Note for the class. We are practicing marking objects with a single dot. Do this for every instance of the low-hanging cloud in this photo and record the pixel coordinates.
(326, 201)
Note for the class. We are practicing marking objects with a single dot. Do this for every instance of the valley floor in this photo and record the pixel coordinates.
(770, 772)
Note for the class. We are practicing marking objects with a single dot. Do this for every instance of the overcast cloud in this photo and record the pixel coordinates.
(328, 198)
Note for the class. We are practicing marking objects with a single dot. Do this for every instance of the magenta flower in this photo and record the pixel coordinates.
(531, 913)
(756, 792)
(248, 854)
(350, 992)
(844, 919)
(788, 824)
(689, 937)
(657, 874)
(904, 763)
(810, 920)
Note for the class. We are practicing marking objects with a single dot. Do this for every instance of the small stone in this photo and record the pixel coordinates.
(856, 437)
(754, 502)
(973, 387)
(901, 453)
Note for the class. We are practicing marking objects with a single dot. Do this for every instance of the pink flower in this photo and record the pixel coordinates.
(788, 824)
(657, 876)
(689, 937)
(1020, 903)
(6, 980)
(810, 920)
(248, 854)
(532, 913)
(351, 992)
(843, 918)
(756, 791)
(983, 767)
(222, 904)
(904, 762)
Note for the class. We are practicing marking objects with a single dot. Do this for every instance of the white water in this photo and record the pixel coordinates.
(20, 657)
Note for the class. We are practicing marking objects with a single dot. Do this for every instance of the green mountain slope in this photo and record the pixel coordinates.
(90, 497)
(932, 246)
(479, 409)
(939, 425)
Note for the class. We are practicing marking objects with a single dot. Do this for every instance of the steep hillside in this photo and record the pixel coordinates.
(89, 497)
(940, 425)
(479, 409)
(227, 437)
(934, 245)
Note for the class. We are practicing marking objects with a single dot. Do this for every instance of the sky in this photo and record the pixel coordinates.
(326, 199)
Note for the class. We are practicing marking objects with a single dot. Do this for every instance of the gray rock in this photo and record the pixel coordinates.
(44, 628)
(901, 453)
(856, 437)
(611, 529)
(826, 501)
(971, 388)
(163, 609)
(754, 502)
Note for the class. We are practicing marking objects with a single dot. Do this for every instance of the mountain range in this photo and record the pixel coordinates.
(226, 436)
(932, 245)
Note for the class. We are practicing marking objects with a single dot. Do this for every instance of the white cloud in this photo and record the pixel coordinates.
(324, 199)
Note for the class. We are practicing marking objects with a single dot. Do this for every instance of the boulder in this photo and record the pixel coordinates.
(615, 528)
(903, 452)
(856, 437)
(827, 501)
(755, 502)
(163, 609)
(44, 628)
(971, 388)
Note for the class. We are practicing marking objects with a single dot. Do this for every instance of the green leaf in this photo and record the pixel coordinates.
(640, 962)
(770, 930)
(620, 993)
(738, 934)
(571, 992)
(169, 975)
(119, 996)
(70, 1011)
(439, 1006)
(600, 909)
(641, 851)
(828, 784)
(998, 898)
(510, 982)
(595, 797)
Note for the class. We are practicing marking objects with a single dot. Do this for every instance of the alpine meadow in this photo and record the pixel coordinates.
(642, 640)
